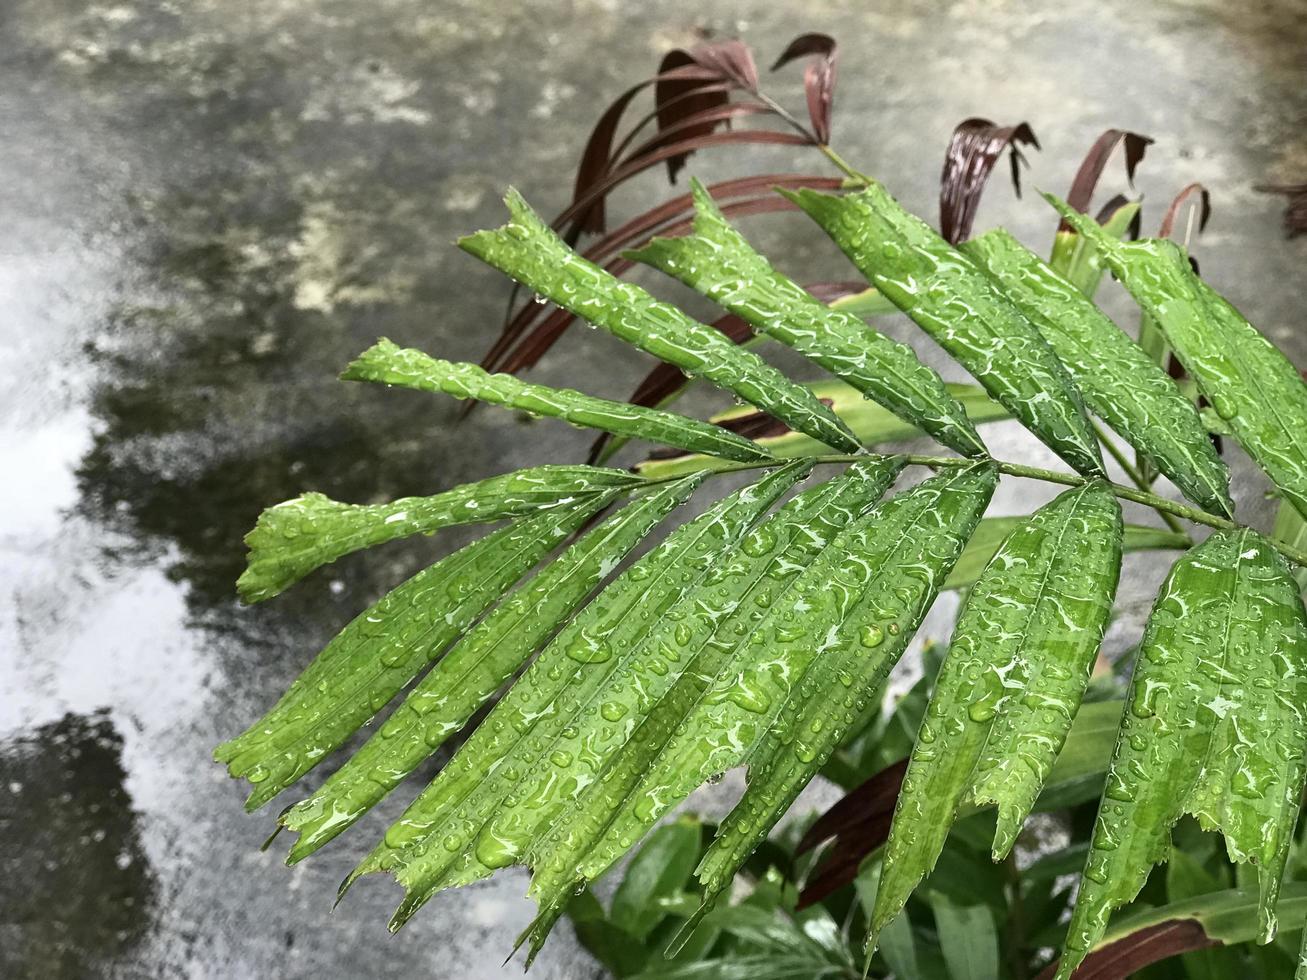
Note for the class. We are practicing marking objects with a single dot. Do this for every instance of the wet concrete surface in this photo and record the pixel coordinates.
(209, 207)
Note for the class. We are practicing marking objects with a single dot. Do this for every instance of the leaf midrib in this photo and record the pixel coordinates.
(1026, 634)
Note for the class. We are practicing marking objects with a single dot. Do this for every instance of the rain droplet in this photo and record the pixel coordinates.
(612, 710)
(759, 543)
(587, 651)
(495, 852)
(871, 636)
(980, 711)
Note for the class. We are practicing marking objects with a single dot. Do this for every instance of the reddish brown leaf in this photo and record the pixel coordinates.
(818, 77)
(687, 84)
(639, 229)
(598, 153)
(1295, 215)
(860, 823)
(629, 169)
(677, 99)
(1091, 169)
(972, 152)
(732, 59)
(877, 795)
(1125, 957)
(652, 115)
(694, 124)
(1205, 214)
(840, 865)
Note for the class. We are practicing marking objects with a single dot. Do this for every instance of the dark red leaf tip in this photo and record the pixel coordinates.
(1095, 161)
(973, 151)
(1117, 202)
(805, 45)
(1295, 215)
(818, 78)
(1204, 213)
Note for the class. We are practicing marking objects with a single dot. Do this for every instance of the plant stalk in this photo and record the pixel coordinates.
(1131, 471)
(1167, 510)
(828, 151)
(1160, 504)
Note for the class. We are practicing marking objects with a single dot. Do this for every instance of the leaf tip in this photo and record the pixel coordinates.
(346, 883)
(270, 838)
(687, 929)
(358, 369)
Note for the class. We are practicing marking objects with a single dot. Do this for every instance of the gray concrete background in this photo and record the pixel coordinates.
(207, 207)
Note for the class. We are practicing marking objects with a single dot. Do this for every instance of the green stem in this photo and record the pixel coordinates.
(793, 122)
(1167, 510)
(1160, 504)
(855, 176)
(1136, 477)
(1113, 450)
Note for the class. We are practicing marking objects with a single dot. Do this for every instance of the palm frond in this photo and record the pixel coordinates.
(965, 313)
(718, 262)
(1250, 384)
(1120, 383)
(531, 253)
(760, 632)
(1013, 679)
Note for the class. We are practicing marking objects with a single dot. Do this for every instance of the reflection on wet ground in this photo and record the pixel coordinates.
(209, 208)
(80, 893)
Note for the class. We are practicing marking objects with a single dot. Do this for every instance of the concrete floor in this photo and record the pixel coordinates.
(208, 207)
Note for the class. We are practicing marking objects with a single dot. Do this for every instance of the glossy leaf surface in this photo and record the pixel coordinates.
(718, 262)
(384, 648)
(1214, 727)
(390, 364)
(484, 807)
(875, 589)
(965, 313)
(529, 251)
(473, 669)
(1250, 383)
(873, 425)
(297, 536)
(724, 698)
(1119, 381)
(1011, 684)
